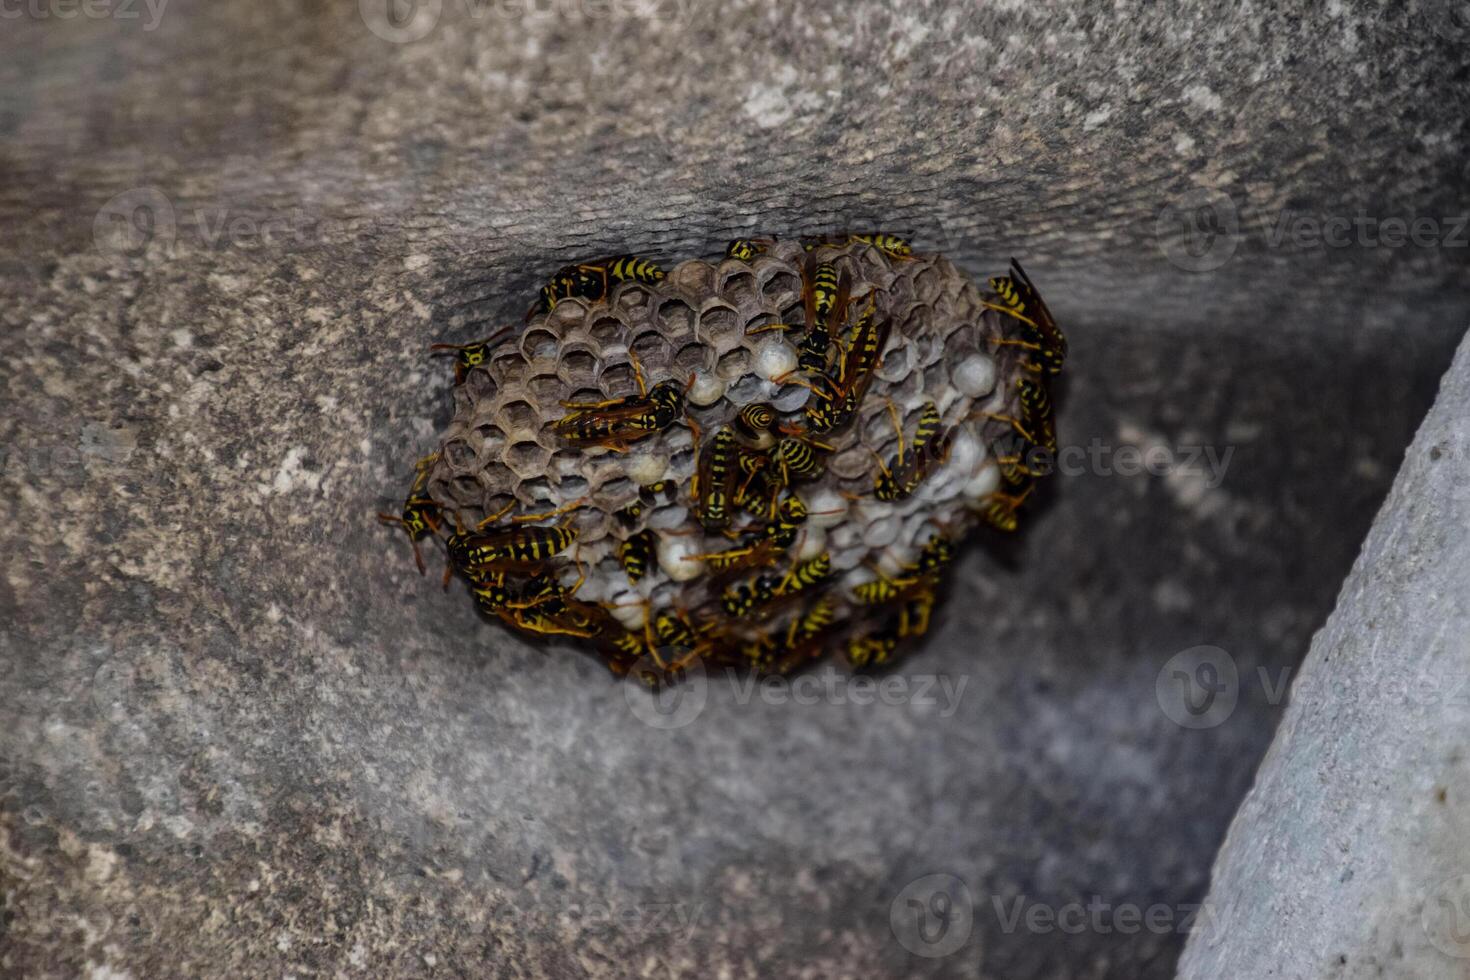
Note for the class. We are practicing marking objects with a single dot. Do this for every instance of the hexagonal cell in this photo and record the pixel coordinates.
(527, 459)
(652, 352)
(717, 320)
(926, 285)
(547, 389)
(458, 454)
(781, 287)
(573, 486)
(607, 329)
(733, 364)
(578, 367)
(518, 415)
(565, 464)
(616, 493)
(694, 276)
(507, 364)
(620, 381)
(539, 342)
(675, 318)
(631, 297)
(466, 491)
(750, 388)
(895, 364)
(692, 357)
(738, 287)
(537, 490)
(479, 385)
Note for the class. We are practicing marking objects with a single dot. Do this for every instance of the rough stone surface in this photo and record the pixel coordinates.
(1349, 857)
(244, 737)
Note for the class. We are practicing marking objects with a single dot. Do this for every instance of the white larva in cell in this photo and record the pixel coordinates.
(773, 358)
(975, 375)
(813, 543)
(707, 389)
(647, 468)
(983, 483)
(674, 553)
(826, 508)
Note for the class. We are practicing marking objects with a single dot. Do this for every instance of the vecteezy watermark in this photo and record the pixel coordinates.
(150, 12)
(676, 702)
(638, 918)
(932, 916)
(1202, 229)
(1097, 458)
(1099, 915)
(406, 21)
(1445, 916)
(144, 222)
(1200, 687)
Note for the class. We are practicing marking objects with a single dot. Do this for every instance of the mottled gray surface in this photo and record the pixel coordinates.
(1351, 855)
(242, 736)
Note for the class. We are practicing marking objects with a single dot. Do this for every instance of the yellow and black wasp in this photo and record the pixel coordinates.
(745, 249)
(873, 648)
(477, 551)
(913, 463)
(891, 245)
(617, 422)
(825, 295)
(593, 281)
(470, 356)
(1040, 335)
(661, 491)
(420, 514)
(1002, 510)
(834, 401)
(798, 457)
(753, 424)
(742, 599)
(713, 477)
(639, 555)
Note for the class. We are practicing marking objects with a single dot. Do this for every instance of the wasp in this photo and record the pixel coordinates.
(740, 599)
(491, 594)
(912, 464)
(652, 493)
(1039, 334)
(746, 249)
(638, 555)
(515, 547)
(753, 424)
(420, 515)
(805, 575)
(825, 297)
(890, 245)
(873, 648)
(1001, 510)
(593, 281)
(790, 515)
(834, 401)
(797, 458)
(712, 478)
(914, 614)
(1036, 406)
(810, 623)
(617, 422)
(470, 356)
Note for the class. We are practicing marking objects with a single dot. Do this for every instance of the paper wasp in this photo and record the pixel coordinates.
(473, 552)
(753, 424)
(891, 245)
(712, 479)
(638, 554)
(592, 281)
(1040, 334)
(420, 514)
(873, 648)
(834, 402)
(470, 356)
(825, 296)
(798, 458)
(617, 422)
(913, 464)
(1001, 510)
(746, 249)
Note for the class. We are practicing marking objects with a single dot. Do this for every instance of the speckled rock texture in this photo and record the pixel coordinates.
(242, 738)
(1351, 855)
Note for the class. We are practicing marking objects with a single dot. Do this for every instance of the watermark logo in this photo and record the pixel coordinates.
(932, 916)
(1446, 917)
(666, 698)
(401, 21)
(1198, 687)
(1200, 231)
(134, 221)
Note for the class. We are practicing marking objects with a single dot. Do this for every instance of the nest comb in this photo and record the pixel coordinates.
(950, 348)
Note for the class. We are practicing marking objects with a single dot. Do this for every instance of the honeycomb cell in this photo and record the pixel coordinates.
(652, 349)
(607, 331)
(578, 369)
(676, 317)
(739, 288)
(733, 364)
(718, 320)
(527, 459)
(519, 416)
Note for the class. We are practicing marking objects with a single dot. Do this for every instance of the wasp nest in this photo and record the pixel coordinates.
(753, 460)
